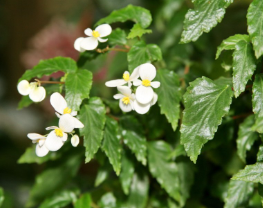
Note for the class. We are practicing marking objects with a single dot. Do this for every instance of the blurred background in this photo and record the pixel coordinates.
(31, 30)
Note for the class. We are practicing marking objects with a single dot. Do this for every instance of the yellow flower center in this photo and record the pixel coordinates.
(126, 77)
(146, 82)
(95, 34)
(126, 100)
(67, 110)
(59, 132)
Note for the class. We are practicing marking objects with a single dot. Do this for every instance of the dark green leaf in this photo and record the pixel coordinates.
(169, 95)
(111, 144)
(83, 202)
(206, 102)
(92, 115)
(133, 13)
(138, 31)
(260, 154)
(251, 173)
(243, 66)
(141, 53)
(102, 174)
(108, 200)
(78, 86)
(203, 18)
(117, 37)
(255, 26)
(2, 197)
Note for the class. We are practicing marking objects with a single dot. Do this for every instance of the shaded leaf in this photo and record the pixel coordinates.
(251, 173)
(83, 202)
(108, 200)
(138, 31)
(2, 197)
(102, 174)
(117, 37)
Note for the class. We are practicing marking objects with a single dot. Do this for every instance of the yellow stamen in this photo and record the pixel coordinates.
(146, 82)
(66, 110)
(126, 100)
(59, 132)
(95, 34)
(126, 77)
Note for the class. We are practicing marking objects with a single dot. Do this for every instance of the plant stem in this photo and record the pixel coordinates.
(241, 116)
(49, 82)
(113, 49)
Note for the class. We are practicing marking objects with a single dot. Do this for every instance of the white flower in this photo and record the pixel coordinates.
(75, 140)
(144, 108)
(144, 93)
(95, 36)
(60, 105)
(41, 149)
(36, 93)
(126, 98)
(126, 79)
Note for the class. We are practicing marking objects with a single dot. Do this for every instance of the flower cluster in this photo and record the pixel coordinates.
(57, 137)
(144, 96)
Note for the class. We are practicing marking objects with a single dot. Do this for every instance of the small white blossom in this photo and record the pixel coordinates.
(41, 149)
(36, 93)
(126, 98)
(144, 93)
(95, 36)
(144, 108)
(75, 140)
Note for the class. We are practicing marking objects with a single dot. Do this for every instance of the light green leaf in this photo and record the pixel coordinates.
(138, 31)
(102, 174)
(78, 86)
(133, 13)
(2, 196)
(251, 173)
(117, 37)
(83, 202)
(205, 15)
(127, 172)
(108, 200)
(49, 66)
(246, 137)
(111, 144)
(60, 199)
(239, 193)
(141, 53)
(255, 25)
(169, 95)
(206, 102)
(243, 66)
(139, 191)
(260, 154)
(230, 43)
(133, 137)
(92, 115)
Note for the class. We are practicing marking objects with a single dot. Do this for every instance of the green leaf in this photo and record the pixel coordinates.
(243, 66)
(92, 115)
(206, 102)
(251, 173)
(239, 193)
(127, 172)
(139, 191)
(205, 15)
(60, 199)
(111, 144)
(255, 25)
(108, 200)
(133, 13)
(141, 53)
(138, 31)
(246, 137)
(260, 154)
(78, 86)
(230, 43)
(117, 37)
(2, 196)
(169, 94)
(133, 137)
(102, 174)
(84, 201)
(49, 66)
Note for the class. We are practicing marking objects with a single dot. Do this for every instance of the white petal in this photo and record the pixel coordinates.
(75, 140)
(53, 142)
(88, 32)
(125, 108)
(135, 74)
(144, 94)
(65, 137)
(102, 40)
(89, 43)
(51, 127)
(137, 82)
(23, 87)
(57, 114)
(104, 30)
(58, 102)
(118, 96)
(155, 98)
(77, 123)
(67, 123)
(140, 108)
(35, 136)
(155, 84)
(41, 151)
(38, 94)
(147, 71)
(115, 83)
(41, 142)
(125, 90)
(74, 113)
(77, 45)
